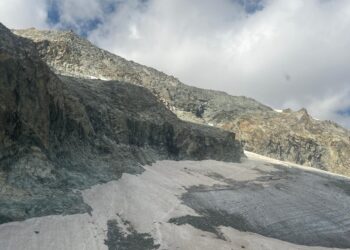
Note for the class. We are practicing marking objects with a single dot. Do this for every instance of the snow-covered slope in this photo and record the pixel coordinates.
(257, 204)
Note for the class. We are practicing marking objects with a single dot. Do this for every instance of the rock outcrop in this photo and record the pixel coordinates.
(295, 137)
(292, 136)
(61, 134)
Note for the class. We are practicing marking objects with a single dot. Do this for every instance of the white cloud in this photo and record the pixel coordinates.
(290, 53)
(23, 13)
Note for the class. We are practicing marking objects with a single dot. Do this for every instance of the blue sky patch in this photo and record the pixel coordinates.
(87, 26)
(251, 6)
(111, 7)
(53, 13)
(344, 112)
(82, 27)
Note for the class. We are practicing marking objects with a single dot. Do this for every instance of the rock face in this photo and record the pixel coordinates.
(296, 137)
(61, 134)
(292, 136)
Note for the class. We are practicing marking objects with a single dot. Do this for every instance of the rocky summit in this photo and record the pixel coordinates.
(286, 135)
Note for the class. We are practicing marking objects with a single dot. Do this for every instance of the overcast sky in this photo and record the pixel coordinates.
(284, 53)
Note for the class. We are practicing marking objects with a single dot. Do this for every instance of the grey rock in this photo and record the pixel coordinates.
(119, 240)
(61, 134)
(291, 136)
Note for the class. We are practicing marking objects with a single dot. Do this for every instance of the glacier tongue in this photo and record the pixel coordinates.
(266, 204)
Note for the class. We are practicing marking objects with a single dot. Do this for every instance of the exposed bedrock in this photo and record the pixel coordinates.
(59, 133)
(287, 135)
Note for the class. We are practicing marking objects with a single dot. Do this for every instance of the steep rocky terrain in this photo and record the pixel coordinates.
(106, 163)
(61, 134)
(287, 135)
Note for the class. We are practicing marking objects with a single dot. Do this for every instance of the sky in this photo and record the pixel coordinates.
(284, 53)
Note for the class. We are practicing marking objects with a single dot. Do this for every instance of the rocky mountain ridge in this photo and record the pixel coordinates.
(108, 164)
(287, 135)
(61, 134)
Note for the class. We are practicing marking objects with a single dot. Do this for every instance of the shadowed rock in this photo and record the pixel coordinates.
(60, 133)
(119, 240)
(289, 136)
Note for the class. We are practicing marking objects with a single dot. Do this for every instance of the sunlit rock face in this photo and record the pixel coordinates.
(287, 135)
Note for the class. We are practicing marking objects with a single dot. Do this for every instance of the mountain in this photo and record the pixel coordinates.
(61, 134)
(288, 135)
(94, 156)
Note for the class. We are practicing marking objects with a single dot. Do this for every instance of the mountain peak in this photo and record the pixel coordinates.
(292, 136)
